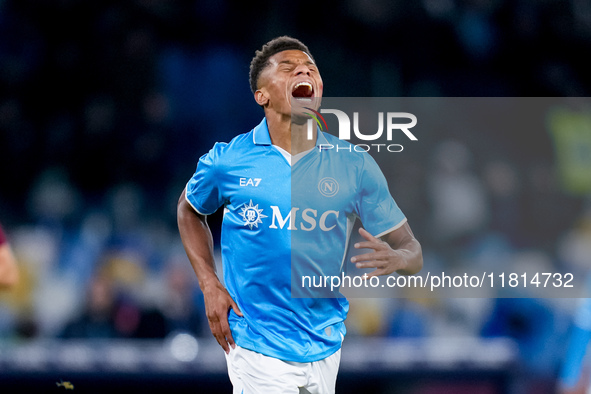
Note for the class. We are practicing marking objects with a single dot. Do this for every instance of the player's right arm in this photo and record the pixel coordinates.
(198, 242)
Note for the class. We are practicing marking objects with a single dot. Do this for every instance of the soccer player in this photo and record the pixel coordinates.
(276, 343)
(8, 268)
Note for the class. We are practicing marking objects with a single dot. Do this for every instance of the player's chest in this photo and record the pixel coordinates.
(304, 185)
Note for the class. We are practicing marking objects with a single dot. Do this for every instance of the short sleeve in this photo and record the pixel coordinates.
(204, 189)
(376, 208)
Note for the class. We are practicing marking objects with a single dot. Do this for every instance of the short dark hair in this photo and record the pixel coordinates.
(261, 57)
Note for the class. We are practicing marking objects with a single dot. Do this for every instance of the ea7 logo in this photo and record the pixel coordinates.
(250, 181)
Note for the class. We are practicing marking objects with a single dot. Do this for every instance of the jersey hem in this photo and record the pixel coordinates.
(193, 206)
(290, 357)
(392, 228)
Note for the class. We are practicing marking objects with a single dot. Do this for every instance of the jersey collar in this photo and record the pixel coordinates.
(320, 138)
(260, 135)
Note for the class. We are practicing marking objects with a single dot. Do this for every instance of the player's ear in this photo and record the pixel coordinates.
(260, 96)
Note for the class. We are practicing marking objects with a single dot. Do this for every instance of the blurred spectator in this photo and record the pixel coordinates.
(9, 274)
(151, 324)
(97, 318)
(574, 247)
(534, 325)
(135, 314)
(109, 312)
(460, 207)
(410, 320)
(183, 303)
(503, 186)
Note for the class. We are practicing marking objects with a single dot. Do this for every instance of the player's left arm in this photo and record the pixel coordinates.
(398, 251)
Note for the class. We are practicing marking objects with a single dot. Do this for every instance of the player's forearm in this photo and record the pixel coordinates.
(404, 243)
(198, 243)
(413, 256)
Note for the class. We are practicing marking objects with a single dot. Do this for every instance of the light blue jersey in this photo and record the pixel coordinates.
(282, 220)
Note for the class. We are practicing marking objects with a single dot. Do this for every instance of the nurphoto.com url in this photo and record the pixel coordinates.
(441, 281)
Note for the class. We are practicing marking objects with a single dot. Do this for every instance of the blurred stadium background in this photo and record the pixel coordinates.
(105, 108)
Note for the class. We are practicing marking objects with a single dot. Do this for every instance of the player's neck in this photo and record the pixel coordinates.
(290, 137)
(299, 138)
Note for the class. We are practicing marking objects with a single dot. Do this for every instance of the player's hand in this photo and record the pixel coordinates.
(384, 259)
(217, 304)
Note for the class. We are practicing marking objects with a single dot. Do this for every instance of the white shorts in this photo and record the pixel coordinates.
(254, 373)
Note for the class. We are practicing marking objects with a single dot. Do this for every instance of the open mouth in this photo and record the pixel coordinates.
(303, 90)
